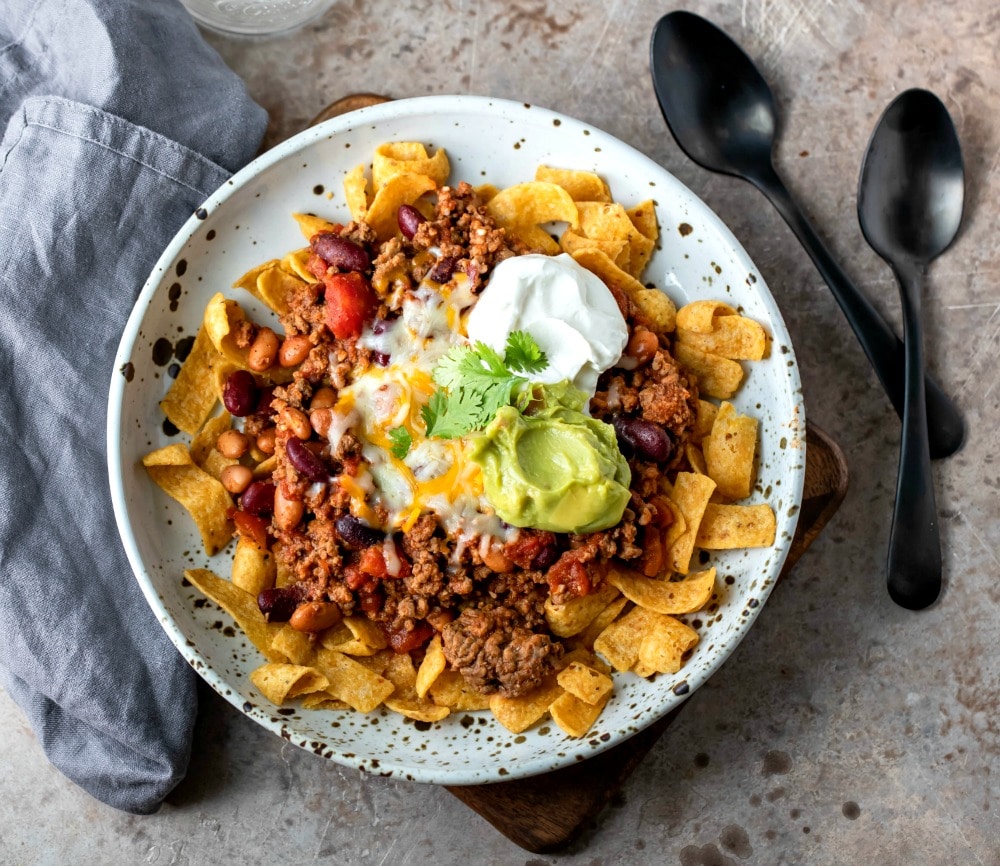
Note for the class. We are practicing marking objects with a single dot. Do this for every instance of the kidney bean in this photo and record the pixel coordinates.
(409, 220)
(279, 603)
(340, 252)
(356, 533)
(305, 461)
(381, 358)
(443, 269)
(546, 557)
(650, 441)
(240, 394)
(380, 326)
(263, 351)
(263, 408)
(258, 499)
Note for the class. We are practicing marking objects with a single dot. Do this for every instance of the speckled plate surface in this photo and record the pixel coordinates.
(248, 221)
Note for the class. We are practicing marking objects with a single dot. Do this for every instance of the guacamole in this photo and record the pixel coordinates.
(555, 467)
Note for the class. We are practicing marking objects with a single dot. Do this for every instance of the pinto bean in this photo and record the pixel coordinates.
(232, 444)
(297, 421)
(287, 512)
(312, 616)
(294, 350)
(263, 350)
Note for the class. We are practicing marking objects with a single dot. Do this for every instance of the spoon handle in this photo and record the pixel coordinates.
(913, 572)
(884, 349)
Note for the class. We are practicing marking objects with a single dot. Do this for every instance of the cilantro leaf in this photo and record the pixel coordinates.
(476, 381)
(401, 441)
(522, 353)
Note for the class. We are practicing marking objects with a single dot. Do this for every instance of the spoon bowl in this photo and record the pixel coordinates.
(722, 114)
(910, 200)
(912, 188)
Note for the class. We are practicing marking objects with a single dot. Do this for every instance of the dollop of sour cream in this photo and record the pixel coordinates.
(569, 311)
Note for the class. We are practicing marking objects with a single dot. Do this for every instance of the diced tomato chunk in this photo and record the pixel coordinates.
(569, 575)
(253, 527)
(317, 266)
(355, 578)
(350, 302)
(404, 641)
(370, 598)
(372, 562)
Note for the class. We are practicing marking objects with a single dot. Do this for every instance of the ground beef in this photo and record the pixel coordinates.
(667, 395)
(495, 654)
(487, 602)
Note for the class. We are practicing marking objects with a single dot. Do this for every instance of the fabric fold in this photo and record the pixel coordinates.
(120, 120)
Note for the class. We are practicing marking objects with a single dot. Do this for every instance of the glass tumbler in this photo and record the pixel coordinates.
(255, 17)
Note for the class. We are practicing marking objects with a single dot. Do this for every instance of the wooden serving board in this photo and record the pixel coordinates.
(545, 813)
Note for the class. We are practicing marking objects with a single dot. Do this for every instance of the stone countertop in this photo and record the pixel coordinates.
(844, 729)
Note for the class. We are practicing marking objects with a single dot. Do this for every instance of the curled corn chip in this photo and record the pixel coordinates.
(690, 493)
(279, 681)
(450, 689)
(431, 667)
(310, 224)
(356, 192)
(699, 316)
(296, 646)
(241, 606)
(734, 337)
(398, 190)
(652, 303)
(520, 713)
(574, 715)
(352, 682)
(193, 394)
(408, 158)
(664, 646)
(584, 682)
(729, 452)
(575, 614)
(665, 596)
(581, 185)
(204, 497)
(727, 527)
(717, 376)
(521, 210)
(254, 569)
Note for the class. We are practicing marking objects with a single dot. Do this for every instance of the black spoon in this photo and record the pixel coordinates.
(722, 114)
(910, 200)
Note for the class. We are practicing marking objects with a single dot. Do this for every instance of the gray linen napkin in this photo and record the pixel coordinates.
(119, 121)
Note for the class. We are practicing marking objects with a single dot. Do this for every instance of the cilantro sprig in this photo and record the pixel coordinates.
(476, 381)
(400, 440)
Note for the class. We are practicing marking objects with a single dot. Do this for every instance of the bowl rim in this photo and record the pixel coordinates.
(392, 111)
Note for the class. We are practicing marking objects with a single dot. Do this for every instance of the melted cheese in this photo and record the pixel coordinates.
(435, 475)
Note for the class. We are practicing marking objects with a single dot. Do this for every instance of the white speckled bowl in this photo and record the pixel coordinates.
(248, 221)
